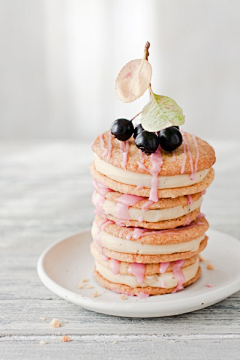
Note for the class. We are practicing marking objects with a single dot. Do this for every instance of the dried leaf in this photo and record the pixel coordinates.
(161, 112)
(133, 80)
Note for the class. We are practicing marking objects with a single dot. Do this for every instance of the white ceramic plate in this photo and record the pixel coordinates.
(62, 266)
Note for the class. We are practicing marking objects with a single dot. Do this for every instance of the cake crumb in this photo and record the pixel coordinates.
(89, 287)
(210, 266)
(42, 318)
(65, 321)
(80, 286)
(85, 280)
(42, 342)
(55, 323)
(123, 297)
(65, 338)
(95, 294)
(200, 258)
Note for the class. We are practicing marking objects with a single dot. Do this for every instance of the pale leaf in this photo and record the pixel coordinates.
(133, 80)
(161, 112)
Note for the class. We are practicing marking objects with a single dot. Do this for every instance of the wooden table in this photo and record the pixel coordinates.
(46, 195)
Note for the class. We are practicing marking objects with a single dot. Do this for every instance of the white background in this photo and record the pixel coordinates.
(59, 60)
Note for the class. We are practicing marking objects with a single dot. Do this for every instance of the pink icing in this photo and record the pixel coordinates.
(101, 226)
(124, 146)
(204, 192)
(102, 191)
(145, 206)
(104, 257)
(163, 267)
(190, 200)
(102, 145)
(123, 204)
(139, 187)
(142, 295)
(114, 266)
(197, 152)
(174, 156)
(163, 283)
(157, 161)
(184, 155)
(200, 216)
(190, 156)
(109, 150)
(177, 271)
(137, 270)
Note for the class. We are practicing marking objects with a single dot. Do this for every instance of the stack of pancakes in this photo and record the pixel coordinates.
(148, 229)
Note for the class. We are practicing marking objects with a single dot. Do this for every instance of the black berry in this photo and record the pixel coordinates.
(138, 129)
(147, 141)
(122, 129)
(170, 138)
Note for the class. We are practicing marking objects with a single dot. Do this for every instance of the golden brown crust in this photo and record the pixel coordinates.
(145, 192)
(160, 204)
(171, 165)
(164, 224)
(150, 269)
(154, 259)
(185, 233)
(125, 289)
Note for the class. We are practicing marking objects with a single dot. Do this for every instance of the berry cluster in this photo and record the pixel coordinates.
(169, 139)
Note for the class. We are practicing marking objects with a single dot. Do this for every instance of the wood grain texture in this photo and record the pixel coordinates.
(45, 195)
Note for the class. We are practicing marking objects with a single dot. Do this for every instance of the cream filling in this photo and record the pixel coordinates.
(166, 280)
(133, 247)
(144, 180)
(110, 208)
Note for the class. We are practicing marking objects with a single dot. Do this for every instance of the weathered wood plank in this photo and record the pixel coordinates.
(116, 347)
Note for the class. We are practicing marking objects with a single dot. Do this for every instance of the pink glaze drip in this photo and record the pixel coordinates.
(163, 267)
(197, 152)
(190, 200)
(200, 216)
(177, 271)
(190, 156)
(163, 283)
(121, 232)
(209, 285)
(115, 266)
(104, 257)
(101, 226)
(204, 192)
(102, 145)
(157, 161)
(109, 150)
(188, 221)
(174, 156)
(124, 146)
(142, 295)
(102, 191)
(123, 204)
(137, 270)
(184, 155)
(145, 206)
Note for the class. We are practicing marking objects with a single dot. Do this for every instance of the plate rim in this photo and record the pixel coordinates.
(107, 306)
